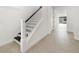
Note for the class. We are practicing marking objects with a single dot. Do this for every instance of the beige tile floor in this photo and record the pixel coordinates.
(57, 41)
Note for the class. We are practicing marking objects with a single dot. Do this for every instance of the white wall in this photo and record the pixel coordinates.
(10, 17)
(73, 20)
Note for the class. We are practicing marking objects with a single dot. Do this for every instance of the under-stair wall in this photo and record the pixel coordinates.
(43, 28)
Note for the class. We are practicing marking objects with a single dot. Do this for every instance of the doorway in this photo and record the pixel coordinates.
(62, 25)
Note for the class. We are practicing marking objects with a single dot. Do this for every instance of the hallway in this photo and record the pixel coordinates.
(57, 41)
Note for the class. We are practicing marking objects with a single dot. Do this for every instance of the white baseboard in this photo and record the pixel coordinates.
(4, 43)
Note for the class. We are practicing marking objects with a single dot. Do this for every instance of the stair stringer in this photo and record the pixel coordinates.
(39, 34)
(41, 30)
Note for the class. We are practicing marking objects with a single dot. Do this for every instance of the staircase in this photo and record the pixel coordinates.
(30, 24)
